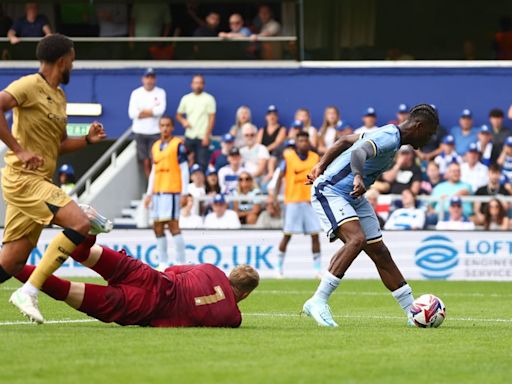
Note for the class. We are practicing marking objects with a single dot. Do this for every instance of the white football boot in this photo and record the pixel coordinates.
(28, 305)
(320, 312)
(99, 223)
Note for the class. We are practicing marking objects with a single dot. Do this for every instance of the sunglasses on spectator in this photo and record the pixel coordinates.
(249, 134)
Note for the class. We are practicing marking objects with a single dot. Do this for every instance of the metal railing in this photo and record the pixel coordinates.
(174, 39)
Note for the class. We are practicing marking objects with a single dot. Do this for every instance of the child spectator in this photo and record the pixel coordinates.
(448, 155)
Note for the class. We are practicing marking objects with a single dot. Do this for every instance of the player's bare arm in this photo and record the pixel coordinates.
(30, 160)
(340, 146)
(357, 160)
(95, 135)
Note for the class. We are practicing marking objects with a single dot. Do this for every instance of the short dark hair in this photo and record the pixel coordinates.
(303, 134)
(425, 113)
(198, 75)
(496, 112)
(494, 168)
(166, 117)
(52, 47)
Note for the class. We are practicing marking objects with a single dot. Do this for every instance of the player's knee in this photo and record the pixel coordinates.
(357, 241)
(82, 225)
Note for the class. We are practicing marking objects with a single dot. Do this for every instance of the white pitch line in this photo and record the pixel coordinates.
(363, 293)
(49, 322)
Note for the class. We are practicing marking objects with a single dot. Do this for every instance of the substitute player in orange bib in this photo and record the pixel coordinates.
(38, 137)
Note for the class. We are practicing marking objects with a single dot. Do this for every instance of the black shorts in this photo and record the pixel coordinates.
(144, 144)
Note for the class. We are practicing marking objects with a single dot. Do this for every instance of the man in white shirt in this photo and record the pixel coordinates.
(147, 105)
(189, 220)
(254, 155)
(228, 175)
(196, 113)
(221, 217)
(456, 221)
(472, 170)
(408, 217)
(369, 121)
(197, 188)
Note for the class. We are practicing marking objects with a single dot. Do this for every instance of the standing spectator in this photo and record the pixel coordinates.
(303, 115)
(448, 155)
(255, 156)
(402, 114)
(267, 26)
(197, 188)
(32, 24)
(221, 217)
(473, 172)
(332, 128)
(505, 159)
(464, 133)
(499, 131)
(485, 146)
(432, 178)
(210, 27)
(405, 174)
(243, 115)
(147, 105)
(372, 195)
(150, 19)
(247, 205)
(196, 113)
(188, 220)
(112, 19)
(453, 186)
(219, 158)
(369, 121)
(236, 28)
(455, 220)
(408, 217)
(273, 134)
(495, 216)
(494, 187)
(228, 175)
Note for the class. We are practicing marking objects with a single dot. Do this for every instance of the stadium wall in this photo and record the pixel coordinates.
(424, 255)
(352, 86)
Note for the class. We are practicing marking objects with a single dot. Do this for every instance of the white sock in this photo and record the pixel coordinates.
(327, 286)
(404, 297)
(161, 246)
(29, 289)
(316, 255)
(179, 243)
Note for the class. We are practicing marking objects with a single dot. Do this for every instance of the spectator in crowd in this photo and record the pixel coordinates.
(402, 114)
(296, 127)
(189, 220)
(455, 220)
(273, 134)
(464, 133)
(431, 179)
(66, 177)
(243, 115)
(502, 43)
(5, 22)
(332, 128)
(447, 155)
(150, 19)
(369, 121)
(495, 216)
(372, 195)
(212, 186)
(255, 156)
(228, 175)
(494, 187)
(267, 25)
(236, 28)
(473, 172)
(485, 146)
(211, 26)
(196, 113)
(505, 159)
(219, 158)
(499, 131)
(453, 186)
(32, 24)
(408, 217)
(147, 105)
(197, 188)
(112, 19)
(271, 217)
(247, 205)
(303, 115)
(433, 147)
(405, 174)
(221, 217)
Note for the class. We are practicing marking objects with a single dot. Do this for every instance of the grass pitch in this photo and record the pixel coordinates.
(274, 344)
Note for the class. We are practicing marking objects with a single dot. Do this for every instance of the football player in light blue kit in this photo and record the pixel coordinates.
(339, 181)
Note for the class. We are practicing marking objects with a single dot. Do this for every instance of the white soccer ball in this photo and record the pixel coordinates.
(428, 311)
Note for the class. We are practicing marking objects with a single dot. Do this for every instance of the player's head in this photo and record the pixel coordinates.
(57, 51)
(197, 84)
(421, 125)
(166, 124)
(302, 142)
(243, 279)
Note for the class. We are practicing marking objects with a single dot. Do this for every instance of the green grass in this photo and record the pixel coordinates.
(274, 344)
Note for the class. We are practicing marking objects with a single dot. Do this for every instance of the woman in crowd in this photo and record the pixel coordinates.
(273, 134)
(304, 117)
(212, 187)
(495, 216)
(332, 128)
(243, 115)
(247, 205)
(189, 220)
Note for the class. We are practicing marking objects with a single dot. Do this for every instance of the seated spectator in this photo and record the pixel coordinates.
(405, 174)
(372, 195)
(273, 134)
(369, 121)
(485, 146)
(499, 131)
(255, 156)
(455, 220)
(189, 220)
(431, 179)
(266, 24)
(210, 28)
(271, 217)
(408, 217)
(243, 115)
(221, 217)
(495, 186)
(448, 155)
(212, 186)
(32, 24)
(433, 147)
(296, 127)
(197, 188)
(304, 116)
(495, 216)
(228, 175)
(473, 172)
(453, 186)
(401, 115)
(464, 133)
(332, 128)
(247, 206)
(236, 26)
(219, 158)
(505, 159)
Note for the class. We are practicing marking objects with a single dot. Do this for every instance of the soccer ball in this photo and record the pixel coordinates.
(428, 311)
